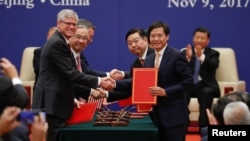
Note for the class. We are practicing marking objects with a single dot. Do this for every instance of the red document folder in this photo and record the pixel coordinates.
(84, 114)
(143, 78)
(125, 102)
(143, 107)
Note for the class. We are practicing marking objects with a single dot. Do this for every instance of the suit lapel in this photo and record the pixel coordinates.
(166, 56)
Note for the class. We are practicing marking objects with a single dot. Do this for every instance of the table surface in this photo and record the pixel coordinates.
(138, 129)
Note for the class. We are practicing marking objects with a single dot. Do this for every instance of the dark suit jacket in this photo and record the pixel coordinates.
(13, 95)
(137, 64)
(208, 68)
(83, 91)
(54, 88)
(124, 87)
(80, 90)
(175, 77)
(36, 63)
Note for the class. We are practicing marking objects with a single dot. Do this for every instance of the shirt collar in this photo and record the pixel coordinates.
(144, 54)
(162, 50)
(75, 54)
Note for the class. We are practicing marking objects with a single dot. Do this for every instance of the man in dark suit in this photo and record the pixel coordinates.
(206, 88)
(13, 98)
(54, 89)
(80, 91)
(78, 42)
(84, 62)
(174, 78)
(137, 42)
(12, 92)
(37, 54)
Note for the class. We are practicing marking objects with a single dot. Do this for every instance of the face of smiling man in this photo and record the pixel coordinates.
(79, 40)
(158, 38)
(67, 26)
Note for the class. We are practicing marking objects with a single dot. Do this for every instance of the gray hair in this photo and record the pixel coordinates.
(82, 26)
(236, 113)
(66, 13)
(86, 23)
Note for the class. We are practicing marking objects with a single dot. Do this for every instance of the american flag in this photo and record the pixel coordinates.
(99, 101)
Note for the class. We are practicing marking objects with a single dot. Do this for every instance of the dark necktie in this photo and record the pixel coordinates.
(196, 70)
(78, 60)
(142, 61)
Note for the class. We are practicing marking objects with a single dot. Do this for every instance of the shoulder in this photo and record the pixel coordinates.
(150, 50)
(37, 50)
(209, 49)
(173, 51)
(5, 83)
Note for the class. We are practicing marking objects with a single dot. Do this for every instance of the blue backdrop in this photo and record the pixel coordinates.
(25, 23)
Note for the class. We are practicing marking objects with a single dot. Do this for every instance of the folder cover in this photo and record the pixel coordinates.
(83, 114)
(143, 78)
(143, 107)
(125, 102)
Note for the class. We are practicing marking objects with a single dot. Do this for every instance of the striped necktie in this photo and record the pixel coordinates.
(78, 60)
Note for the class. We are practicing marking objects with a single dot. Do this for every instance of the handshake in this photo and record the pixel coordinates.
(99, 93)
(108, 83)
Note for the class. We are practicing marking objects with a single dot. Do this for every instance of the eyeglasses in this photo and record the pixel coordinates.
(69, 23)
(77, 36)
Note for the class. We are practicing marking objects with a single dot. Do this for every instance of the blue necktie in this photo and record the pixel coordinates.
(196, 70)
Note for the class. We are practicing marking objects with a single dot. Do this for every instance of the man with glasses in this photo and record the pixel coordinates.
(54, 88)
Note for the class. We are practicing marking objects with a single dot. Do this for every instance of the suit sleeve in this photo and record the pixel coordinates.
(36, 60)
(125, 84)
(118, 95)
(81, 91)
(12, 95)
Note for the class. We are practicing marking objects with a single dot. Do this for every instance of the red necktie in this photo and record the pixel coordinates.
(78, 60)
(142, 61)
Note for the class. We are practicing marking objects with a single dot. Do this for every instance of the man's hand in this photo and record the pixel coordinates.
(99, 93)
(8, 68)
(102, 93)
(107, 83)
(157, 91)
(8, 119)
(39, 128)
(80, 102)
(116, 74)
